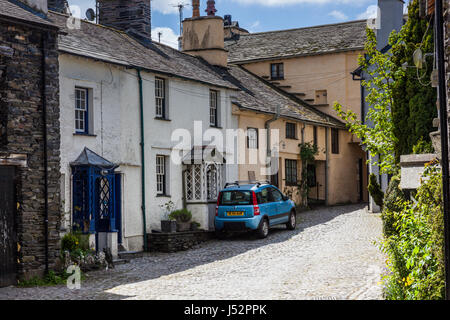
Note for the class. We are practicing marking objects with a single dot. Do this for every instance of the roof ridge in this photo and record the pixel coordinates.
(304, 28)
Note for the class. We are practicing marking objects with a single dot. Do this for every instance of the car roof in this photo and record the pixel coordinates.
(246, 187)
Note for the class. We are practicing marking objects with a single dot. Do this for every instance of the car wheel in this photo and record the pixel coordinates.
(292, 223)
(263, 230)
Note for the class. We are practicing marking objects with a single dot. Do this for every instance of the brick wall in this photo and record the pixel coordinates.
(21, 105)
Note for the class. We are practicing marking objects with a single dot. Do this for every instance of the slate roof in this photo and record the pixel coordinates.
(298, 42)
(13, 9)
(90, 158)
(114, 46)
(258, 95)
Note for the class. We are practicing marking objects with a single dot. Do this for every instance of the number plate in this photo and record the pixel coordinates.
(235, 214)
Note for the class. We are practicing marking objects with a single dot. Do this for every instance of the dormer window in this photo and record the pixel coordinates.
(277, 71)
(321, 97)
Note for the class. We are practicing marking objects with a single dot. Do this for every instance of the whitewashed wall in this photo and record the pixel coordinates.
(116, 124)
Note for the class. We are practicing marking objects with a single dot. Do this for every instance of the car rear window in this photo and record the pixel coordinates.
(236, 198)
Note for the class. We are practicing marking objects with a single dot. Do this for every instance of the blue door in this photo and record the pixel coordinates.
(118, 204)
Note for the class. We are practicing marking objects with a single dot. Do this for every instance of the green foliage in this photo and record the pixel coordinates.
(377, 132)
(415, 251)
(423, 147)
(70, 242)
(375, 190)
(51, 279)
(308, 153)
(414, 106)
(392, 205)
(182, 215)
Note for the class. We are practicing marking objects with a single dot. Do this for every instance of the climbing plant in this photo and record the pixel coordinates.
(308, 153)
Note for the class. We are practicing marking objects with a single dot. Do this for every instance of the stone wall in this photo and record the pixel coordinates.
(178, 241)
(21, 103)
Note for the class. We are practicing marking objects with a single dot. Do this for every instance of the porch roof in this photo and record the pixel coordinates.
(90, 158)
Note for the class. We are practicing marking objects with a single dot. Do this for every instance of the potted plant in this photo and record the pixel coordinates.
(195, 226)
(168, 225)
(183, 218)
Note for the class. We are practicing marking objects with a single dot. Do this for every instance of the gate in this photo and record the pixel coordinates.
(8, 240)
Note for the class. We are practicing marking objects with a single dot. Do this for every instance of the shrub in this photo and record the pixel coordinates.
(182, 215)
(70, 242)
(416, 251)
(392, 205)
(375, 190)
(423, 147)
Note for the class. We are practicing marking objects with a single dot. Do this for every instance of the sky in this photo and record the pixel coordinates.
(253, 15)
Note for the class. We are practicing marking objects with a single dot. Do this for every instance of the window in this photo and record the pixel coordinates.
(81, 111)
(311, 175)
(252, 138)
(236, 198)
(291, 172)
(276, 195)
(160, 175)
(321, 97)
(335, 141)
(213, 108)
(160, 95)
(290, 131)
(263, 196)
(277, 71)
(315, 135)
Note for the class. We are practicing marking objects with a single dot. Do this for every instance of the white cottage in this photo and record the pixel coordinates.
(121, 102)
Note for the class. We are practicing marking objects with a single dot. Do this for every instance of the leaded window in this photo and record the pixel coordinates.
(335, 141)
(290, 131)
(277, 71)
(81, 111)
(252, 138)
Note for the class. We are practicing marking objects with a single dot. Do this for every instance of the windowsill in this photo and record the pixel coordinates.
(215, 127)
(163, 196)
(291, 138)
(162, 119)
(276, 79)
(84, 134)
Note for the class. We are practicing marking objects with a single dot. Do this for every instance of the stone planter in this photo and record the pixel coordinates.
(183, 226)
(168, 226)
(436, 139)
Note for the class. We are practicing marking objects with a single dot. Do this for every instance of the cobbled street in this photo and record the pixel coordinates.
(331, 255)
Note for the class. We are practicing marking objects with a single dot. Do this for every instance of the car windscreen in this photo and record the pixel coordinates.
(236, 198)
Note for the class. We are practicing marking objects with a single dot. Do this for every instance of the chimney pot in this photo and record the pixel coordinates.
(211, 9)
(195, 8)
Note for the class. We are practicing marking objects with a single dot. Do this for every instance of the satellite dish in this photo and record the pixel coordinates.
(418, 58)
(90, 14)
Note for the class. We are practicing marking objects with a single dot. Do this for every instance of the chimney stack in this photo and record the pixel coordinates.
(391, 18)
(131, 16)
(204, 36)
(60, 6)
(38, 5)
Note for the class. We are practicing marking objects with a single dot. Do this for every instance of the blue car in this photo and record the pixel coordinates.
(253, 207)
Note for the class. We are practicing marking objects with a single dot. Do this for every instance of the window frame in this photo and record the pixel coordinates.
(256, 138)
(294, 127)
(214, 108)
(163, 98)
(161, 174)
(291, 172)
(335, 141)
(278, 72)
(85, 111)
(315, 136)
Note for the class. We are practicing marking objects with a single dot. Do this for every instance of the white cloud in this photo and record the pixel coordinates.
(165, 6)
(370, 13)
(338, 15)
(254, 26)
(168, 36)
(273, 3)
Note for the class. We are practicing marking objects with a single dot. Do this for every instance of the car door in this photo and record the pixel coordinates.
(285, 208)
(276, 201)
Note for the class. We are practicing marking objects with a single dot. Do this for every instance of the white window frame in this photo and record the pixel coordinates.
(214, 108)
(160, 98)
(81, 110)
(160, 175)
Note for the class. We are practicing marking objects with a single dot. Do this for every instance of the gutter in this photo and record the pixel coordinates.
(268, 135)
(142, 144)
(44, 129)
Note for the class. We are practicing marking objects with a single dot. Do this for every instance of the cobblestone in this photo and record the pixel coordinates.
(331, 255)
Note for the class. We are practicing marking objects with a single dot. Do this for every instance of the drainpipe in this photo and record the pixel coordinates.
(44, 129)
(142, 144)
(268, 135)
(327, 161)
(444, 137)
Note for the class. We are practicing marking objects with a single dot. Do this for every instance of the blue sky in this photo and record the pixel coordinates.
(256, 15)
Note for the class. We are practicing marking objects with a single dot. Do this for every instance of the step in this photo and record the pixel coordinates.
(128, 255)
(118, 262)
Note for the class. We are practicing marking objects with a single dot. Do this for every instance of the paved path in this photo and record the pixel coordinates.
(331, 255)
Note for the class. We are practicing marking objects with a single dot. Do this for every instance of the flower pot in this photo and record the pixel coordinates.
(194, 226)
(168, 226)
(183, 226)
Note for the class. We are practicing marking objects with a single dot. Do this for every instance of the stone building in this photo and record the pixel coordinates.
(29, 141)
